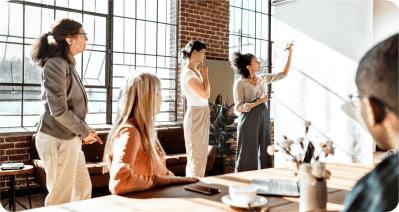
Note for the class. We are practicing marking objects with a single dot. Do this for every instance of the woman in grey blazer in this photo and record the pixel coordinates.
(62, 125)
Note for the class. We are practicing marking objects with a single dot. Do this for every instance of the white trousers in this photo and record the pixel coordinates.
(196, 136)
(68, 179)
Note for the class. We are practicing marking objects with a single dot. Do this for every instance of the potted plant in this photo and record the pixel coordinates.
(220, 132)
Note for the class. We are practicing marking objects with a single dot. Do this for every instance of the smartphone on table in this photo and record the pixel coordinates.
(202, 189)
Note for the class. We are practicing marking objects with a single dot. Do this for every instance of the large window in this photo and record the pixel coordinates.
(250, 33)
(124, 36)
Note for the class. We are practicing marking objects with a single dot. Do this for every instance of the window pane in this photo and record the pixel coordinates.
(99, 6)
(37, 21)
(140, 60)
(165, 116)
(166, 62)
(97, 105)
(10, 106)
(129, 29)
(162, 42)
(13, 19)
(141, 9)
(130, 8)
(234, 44)
(11, 63)
(73, 4)
(140, 42)
(119, 73)
(245, 23)
(162, 13)
(119, 7)
(265, 29)
(166, 73)
(237, 21)
(151, 38)
(265, 7)
(251, 5)
(248, 45)
(171, 10)
(118, 34)
(32, 105)
(258, 48)
(245, 4)
(258, 5)
(168, 95)
(264, 53)
(259, 25)
(168, 84)
(251, 24)
(150, 9)
(237, 3)
(64, 14)
(95, 27)
(33, 72)
(94, 68)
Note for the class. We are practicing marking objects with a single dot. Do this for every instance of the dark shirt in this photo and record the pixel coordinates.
(378, 190)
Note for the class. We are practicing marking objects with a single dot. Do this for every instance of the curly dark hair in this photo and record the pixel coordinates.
(43, 50)
(240, 62)
(190, 47)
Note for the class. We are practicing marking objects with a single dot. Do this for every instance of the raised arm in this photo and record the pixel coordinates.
(55, 82)
(288, 64)
(202, 89)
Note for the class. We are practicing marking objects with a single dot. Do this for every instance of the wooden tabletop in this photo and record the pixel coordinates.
(26, 169)
(176, 198)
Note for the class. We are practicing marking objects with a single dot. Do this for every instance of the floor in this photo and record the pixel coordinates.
(38, 199)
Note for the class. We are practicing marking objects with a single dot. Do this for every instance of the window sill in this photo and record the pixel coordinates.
(28, 131)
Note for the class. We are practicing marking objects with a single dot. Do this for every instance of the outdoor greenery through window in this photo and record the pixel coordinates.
(124, 36)
(249, 33)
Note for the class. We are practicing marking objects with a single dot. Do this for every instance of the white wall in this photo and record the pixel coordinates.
(330, 39)
(385, 20)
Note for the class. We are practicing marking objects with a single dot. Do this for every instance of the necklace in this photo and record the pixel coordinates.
(254, 81)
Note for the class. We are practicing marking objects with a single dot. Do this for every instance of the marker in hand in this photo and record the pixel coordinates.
(291, 43)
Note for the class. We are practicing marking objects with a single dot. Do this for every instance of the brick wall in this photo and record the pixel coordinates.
(16, 150)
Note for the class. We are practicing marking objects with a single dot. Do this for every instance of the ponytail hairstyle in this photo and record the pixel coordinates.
(239, 63)
(47, 47)
(190, 47)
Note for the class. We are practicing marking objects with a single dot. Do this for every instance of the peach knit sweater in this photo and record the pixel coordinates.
(131, 166)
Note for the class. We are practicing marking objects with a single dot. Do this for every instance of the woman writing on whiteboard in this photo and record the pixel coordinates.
(253, 131)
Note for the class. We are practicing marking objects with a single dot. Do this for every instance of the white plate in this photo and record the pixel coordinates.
(259, 201)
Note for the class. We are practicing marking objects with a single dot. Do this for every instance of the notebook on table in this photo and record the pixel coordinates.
(12, 166)
(276, 187)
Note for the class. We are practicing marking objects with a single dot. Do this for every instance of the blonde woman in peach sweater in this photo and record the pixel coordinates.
(137, 157)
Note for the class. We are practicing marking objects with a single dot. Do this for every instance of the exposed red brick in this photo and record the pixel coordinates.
(11, 152)
(14, 139)
(22, 144)
(6, 145)
(2, 140)
(18, 157)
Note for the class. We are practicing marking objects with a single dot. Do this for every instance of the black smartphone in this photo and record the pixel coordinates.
(202, 189)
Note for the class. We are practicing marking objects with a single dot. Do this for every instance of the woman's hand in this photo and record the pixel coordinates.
(177, 179)
(166, 180)
(262, 99)
(92, 137)
(289, 47)
(204, 70)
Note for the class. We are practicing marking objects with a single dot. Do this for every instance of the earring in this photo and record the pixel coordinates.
(71, 44)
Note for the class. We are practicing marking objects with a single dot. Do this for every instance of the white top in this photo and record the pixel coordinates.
(245, 92)
(193, 99)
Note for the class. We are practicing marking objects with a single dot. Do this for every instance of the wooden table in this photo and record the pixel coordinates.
(27, 169)
(176, 198)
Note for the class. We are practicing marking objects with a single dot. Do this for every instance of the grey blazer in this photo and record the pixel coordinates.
(64, 100)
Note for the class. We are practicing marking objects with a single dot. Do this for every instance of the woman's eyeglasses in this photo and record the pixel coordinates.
(80, 33)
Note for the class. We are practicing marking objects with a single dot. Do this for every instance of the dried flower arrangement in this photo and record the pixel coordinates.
(307, 171)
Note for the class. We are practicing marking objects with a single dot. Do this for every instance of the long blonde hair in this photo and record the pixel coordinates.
(137, 101)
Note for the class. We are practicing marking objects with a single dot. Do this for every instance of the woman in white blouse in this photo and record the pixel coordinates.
(253, 132)
(195, 86)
